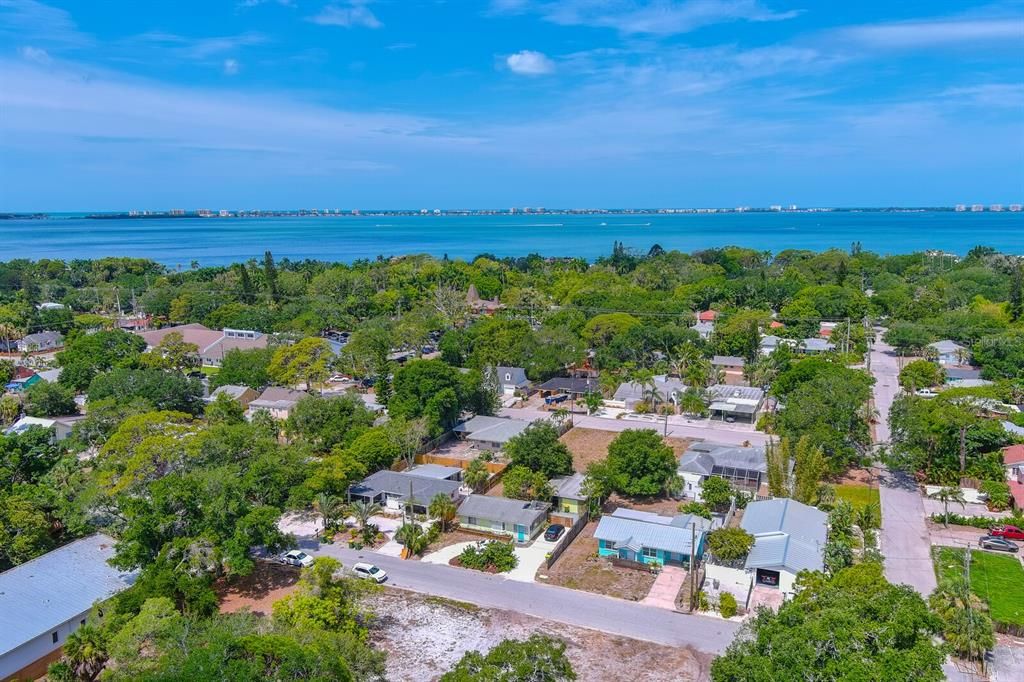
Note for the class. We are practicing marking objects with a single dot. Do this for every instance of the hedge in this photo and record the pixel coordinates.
(983, 522)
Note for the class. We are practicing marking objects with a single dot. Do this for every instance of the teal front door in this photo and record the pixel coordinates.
(520, 533)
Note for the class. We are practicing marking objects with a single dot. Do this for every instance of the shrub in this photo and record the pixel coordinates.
(998, 494)
(982, 522)
(730, 544)
(695, 508)
(727, 605)
(496, 555)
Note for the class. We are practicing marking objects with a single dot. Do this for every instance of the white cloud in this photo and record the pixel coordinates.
(351, 14)
(230, 67)
(197, 49)
(529, 63)
(651, 17)
(916, 34)
(29, 20)
(35, 54)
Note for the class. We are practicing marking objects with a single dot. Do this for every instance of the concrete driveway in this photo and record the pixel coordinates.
(446, 554)
(665, 588)
(531, 557)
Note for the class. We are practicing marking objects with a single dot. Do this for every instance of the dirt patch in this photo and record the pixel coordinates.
(656, 505)
(867, 477)
(590, 445)
(579, 568)
(452, 538)
(257, 592)
(426, 636)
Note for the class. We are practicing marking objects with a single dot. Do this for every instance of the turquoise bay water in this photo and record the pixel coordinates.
(216, 241)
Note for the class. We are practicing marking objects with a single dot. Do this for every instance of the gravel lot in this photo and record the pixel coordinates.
(425, 636)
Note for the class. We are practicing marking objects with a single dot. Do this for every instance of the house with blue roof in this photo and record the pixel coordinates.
(789, 537)
(648, 538)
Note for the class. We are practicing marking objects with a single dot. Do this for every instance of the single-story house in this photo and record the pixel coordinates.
(50, 305)
(744, 468)
(135, 323)
(948, 352)
(1013, 429)
(770, 342)
(243, 394)
(518, 519)
(61, 428)
(394, 489)
(1013, 462)
(481, 305)
(962, 373)
(646, 538)
(739, 403)
(572, 386)
(567, 493)
(704, 329)
(490, 433)
(50, 375)
(733, 367)
(630, 393)
(276, 400)
(436, 471)
(707, 316)
(789, 537)
(44, 600)
(41, 341)
(813, 346)
(969, 383)
(213, 345)
(512, 380)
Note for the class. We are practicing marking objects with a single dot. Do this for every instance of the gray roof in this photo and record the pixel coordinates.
(569, 486)
(41, 338)
(946, 346)
(788, 535)
(397, 483)
(512, 376)
(491, 429)
(816, 344)
(1010, 427)
(631, 390)
(634, 530)
(502, 509)
(701, 458)
(434, 471)
(726, 398)
(50, 375)
(229, 390)
(278, 397)
(50, 590)
(704, 328)
(578, 385)
(954, 373)
(728, 361)
(970, 383)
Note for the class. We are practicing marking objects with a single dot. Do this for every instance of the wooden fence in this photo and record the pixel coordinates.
(570, 535)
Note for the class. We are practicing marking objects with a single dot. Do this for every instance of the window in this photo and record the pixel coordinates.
(54, 635)
(471, 520)
(650, 553)
(82, 622)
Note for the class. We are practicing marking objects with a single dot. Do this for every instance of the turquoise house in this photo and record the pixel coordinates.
(648, 538)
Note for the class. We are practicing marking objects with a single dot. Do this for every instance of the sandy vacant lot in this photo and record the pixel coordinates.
(589, 445)
(579, 568)
(258, 591)
(426, 636)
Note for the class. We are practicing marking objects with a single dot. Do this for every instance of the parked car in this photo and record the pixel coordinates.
(296, 557)
(370, 572)
(1008, 532)
(554, 532)
(996, 543)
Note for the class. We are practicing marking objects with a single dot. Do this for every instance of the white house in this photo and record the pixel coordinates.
(276, 400)
(44, 600)
(949, 352)
(512, 380)
(789, 537)
(744, 468)
(61, 428)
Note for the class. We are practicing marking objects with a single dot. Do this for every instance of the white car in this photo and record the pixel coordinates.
(296, 557)
(370, 572)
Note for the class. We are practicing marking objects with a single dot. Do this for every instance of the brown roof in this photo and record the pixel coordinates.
(1013, 454)
(196, 333)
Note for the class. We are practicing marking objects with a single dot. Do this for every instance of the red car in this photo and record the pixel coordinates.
(1009, 532)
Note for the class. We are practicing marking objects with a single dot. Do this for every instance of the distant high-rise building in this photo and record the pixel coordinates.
(792, 207)
(1015, 208)
(775, 207)
(996, 208)
(960, 208)
(177, 211)
(977, 208)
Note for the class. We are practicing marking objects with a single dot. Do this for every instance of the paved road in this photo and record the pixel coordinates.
(678, 426)
(906, 544)
(582, 609)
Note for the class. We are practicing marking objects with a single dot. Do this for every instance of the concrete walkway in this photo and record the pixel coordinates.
(446, 554)
(665, 588)
(905, 542)
(531, 557)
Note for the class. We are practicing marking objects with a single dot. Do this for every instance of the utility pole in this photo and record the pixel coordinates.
(693, 550)
(846, 348)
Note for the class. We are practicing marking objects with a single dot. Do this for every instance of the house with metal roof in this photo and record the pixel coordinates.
(630, 393)
(41, 341)
(704, 329)
(734, 403)
(789, 537)
(948, 352)
(647, 538)
(276, 400)
(395, 489)
(44, 600)
(814, 346)
(61, 427)
(242, 394)
(490, 433)
(518, 519)
(745, 468)
(954, 374)
(567, 493)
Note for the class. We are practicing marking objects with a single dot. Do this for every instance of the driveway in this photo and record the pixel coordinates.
(446, 554)
(666, 588)
(559, 604)
(531, 557)
(904, 538)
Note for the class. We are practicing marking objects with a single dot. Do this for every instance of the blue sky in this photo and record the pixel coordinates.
(119, 104)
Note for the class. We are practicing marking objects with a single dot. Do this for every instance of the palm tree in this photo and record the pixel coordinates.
(868, 517)
(362, 511)
(85, 651)
(947, 495)
(9, 409)
(967, 626)
(476, 475)
(443, 510)
(330, 507)
(699, 373)
(692, 402)
(412, 535)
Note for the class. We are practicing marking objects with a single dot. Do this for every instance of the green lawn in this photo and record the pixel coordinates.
(209, 371)
(859, 496)
(998, 579)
